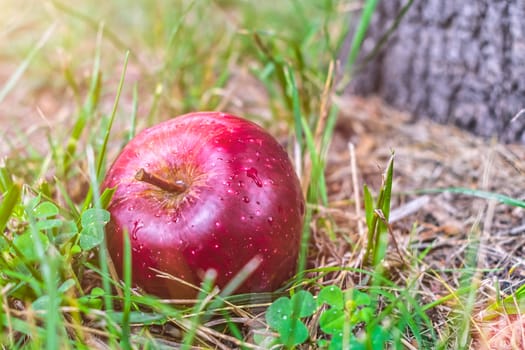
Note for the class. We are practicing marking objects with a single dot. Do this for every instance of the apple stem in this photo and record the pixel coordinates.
(178, 186)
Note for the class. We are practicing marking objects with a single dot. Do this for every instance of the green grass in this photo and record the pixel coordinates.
(57, 285)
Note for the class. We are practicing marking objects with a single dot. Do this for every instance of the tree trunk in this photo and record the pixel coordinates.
(455, 61)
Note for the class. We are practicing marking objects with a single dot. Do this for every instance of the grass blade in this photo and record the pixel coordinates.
(381, 42)
(6, 181)
(17, 74)
(303, 250)
(103, 253)
(369, 208)
(377, 217)
(381, 218)
(102, 154)
(87, 109)
(359, 35)
(199, 307)
(477, 193)
(387, 194)
(294, 95)
(134, 111)
(49, 268)
(126, 329)
(8, 204)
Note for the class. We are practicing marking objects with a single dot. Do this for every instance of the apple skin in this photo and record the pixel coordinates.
(242, 200)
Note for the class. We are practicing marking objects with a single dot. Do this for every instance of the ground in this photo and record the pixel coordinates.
(444, 225)
(427, 156)
(437, 231)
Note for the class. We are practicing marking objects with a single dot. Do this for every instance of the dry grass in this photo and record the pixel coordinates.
(427, 156)
(444, 226)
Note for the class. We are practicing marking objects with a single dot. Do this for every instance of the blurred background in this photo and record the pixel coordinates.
(183, 56)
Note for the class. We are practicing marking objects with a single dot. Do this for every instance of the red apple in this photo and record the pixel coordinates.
(205, 191)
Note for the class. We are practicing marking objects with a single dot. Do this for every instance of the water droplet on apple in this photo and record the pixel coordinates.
(216, 246)
(192, 252)
(137, 225)
(131, 208)
(217, 224)
(243, 218)
(241, 183)
(258, 212)
(270, 220)
(252, 174)
(246, 199)
(230, 191)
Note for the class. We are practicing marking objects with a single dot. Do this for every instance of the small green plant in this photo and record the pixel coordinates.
(377, 213)
(346, 310)
(345, 317)
(369, 316)
(285, 314)
(513, 304)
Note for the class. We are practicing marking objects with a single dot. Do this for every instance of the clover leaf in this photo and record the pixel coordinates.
(92, 220)
(331, 295)
(284, 316)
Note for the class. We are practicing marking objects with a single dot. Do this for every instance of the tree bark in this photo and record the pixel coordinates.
(455, 61)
